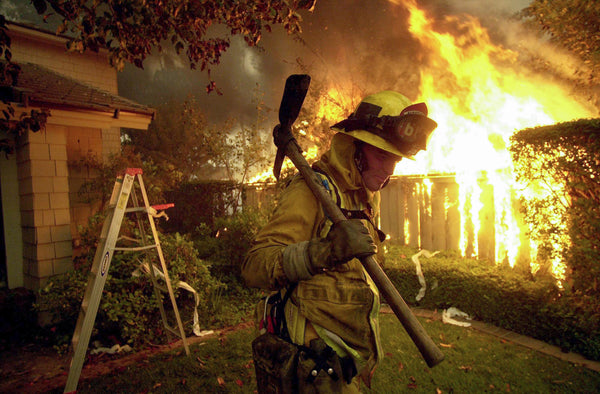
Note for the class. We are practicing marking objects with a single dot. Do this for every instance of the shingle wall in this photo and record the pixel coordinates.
(92, 68)
(44, 198)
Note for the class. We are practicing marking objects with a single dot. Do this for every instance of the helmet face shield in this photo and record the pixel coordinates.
(404, 134)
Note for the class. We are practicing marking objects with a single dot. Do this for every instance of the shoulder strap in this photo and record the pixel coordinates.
(348, 213)
(279, 311)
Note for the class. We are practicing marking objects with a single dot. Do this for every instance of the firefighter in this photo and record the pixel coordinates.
(324, 302)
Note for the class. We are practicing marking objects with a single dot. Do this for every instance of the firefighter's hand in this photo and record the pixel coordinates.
(350, 239)
(345, 240)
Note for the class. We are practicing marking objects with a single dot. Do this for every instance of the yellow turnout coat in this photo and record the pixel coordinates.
(340, 305)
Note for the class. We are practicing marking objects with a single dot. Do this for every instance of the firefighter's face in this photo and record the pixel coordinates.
(379, 166)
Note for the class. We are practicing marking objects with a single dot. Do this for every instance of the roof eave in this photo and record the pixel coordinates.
(85, 117)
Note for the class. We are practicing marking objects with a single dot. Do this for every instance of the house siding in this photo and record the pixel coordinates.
(44, 200)
(84, 142)
(50, 51)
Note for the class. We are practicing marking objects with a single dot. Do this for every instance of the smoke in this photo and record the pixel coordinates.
(358, 46)
(533, 47)
(354, 46)
(14, 12)
(487, 8)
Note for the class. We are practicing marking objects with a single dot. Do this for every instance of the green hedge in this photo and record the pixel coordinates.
(199, 202)
(561, 161)
(529, 305)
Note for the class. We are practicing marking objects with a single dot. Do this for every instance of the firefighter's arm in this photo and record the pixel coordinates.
(293, 221)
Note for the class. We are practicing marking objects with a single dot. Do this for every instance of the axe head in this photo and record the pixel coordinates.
(296, 87)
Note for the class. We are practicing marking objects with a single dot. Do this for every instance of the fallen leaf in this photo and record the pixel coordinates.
(221, 381)
(446, 345)
(466, 368)
(438, 391)
(157, 385)
(239, 382)
(183, 381)
(388, 354)
(400, 366)
(412, 385)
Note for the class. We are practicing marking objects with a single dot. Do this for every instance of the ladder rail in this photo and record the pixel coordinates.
(155, 286)
(97, 278)
(163, 265)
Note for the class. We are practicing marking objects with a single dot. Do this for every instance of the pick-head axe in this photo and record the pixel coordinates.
(296, 87)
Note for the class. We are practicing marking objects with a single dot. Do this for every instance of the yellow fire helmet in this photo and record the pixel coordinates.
(390, 122)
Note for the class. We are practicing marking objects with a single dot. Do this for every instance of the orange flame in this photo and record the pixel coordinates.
(478, 105)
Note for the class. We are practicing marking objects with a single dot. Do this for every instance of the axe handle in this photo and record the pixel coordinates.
(430, 352)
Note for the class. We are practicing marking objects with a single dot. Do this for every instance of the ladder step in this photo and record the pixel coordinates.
(138, 248)
(135, 209)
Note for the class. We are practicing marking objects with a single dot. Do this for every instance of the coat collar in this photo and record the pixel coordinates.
(338, 161)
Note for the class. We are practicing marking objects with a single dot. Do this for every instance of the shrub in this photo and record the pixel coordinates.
(225, 244)
(128, 311)
(526, 304)
(18, 324)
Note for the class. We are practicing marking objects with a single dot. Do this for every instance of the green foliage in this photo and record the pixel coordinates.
(157, 178)
(227, 241)
(200, 202)
(131, 30)
(526, 304)
(128, 311)
(572, 24)
(18, 324)
(58, 303)
(560, 164)
(185, 265)
(179, 137)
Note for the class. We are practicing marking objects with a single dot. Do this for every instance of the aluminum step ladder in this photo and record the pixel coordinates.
(124, 188)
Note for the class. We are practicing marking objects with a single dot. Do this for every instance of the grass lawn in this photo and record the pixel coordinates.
(475, 362)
